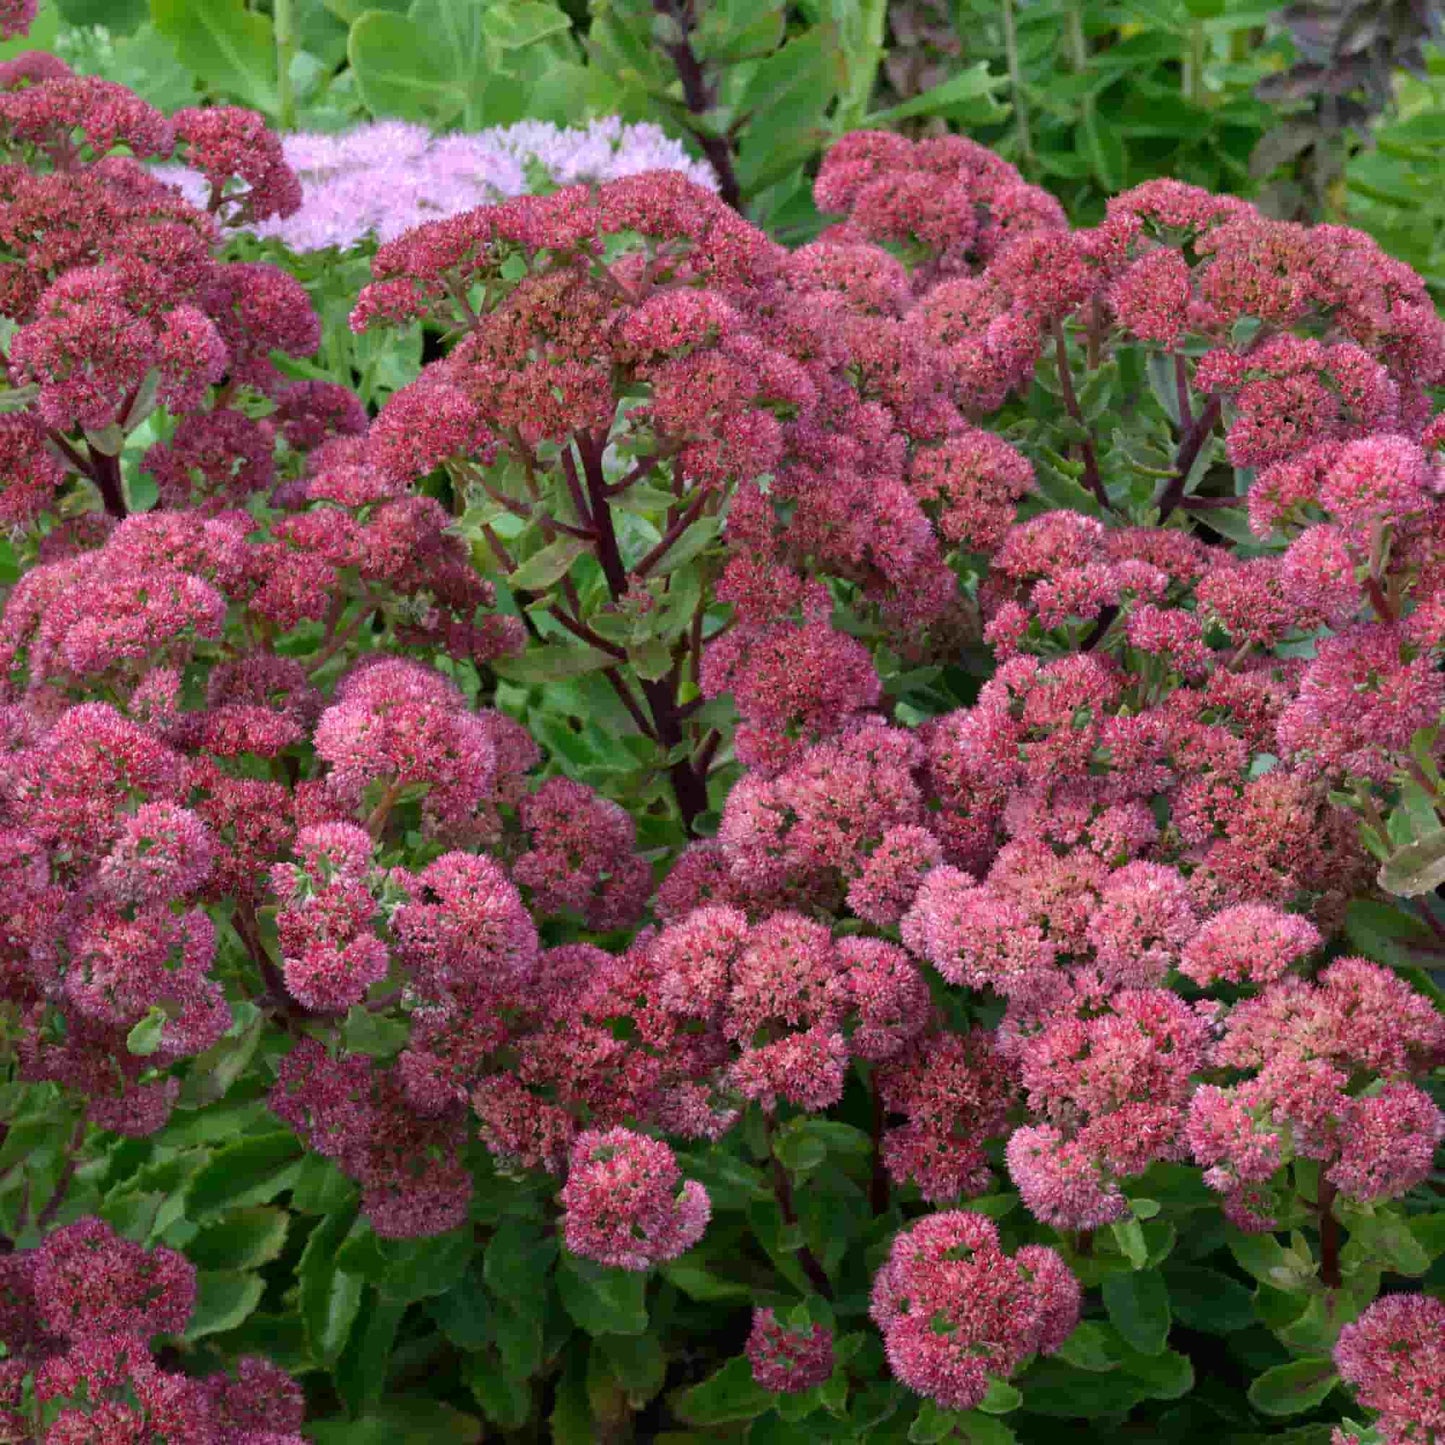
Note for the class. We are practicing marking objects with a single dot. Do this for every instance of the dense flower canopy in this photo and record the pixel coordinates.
(980, 806)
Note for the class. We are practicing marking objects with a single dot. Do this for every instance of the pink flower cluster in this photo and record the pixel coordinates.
(77, 1315)
(622, 1205)
(1394, 1356)
(785, 1360)
(1305, 1042)
(956, 1311)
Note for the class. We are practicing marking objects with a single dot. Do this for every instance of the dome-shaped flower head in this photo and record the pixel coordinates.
(892, 874)
(70, 788)
(163, 852)
(582, 857)
(1363, 697)
(695, 956)
(1145, 916)
(1387, 1143)
(226, 143)
(31, 471)
(1377, 478)
(975, 479)
(16, 17)
(792, 685)
(1248, 943)
(260, 1402)
(889, 997)
(785, 1360)
(955, 1310)
(326, 853)
(399, 724)
(1357, 1015)
(955, 1091)
(108, 1389)
(1394, 1356)
(973, 937)
(1062, 1182)
(1317, 574)
(464, 926)
(622, 1205)
(1231, 1137)
(1142, 1051)
(807, 1067)
(788, 976)
(88, 1281)
(1151, 298)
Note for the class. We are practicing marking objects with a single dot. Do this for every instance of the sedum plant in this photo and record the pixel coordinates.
(784, 844)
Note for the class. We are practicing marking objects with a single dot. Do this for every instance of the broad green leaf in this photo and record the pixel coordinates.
(1383, 932)
(968, 85)
(1053, 1387)
(731, 1394)
(696, 1281)
(551, 663)
(377, 1035)
(223, 1299)
(252, 1171)
(241, 1239)
(571, 1421)
(1208, 1301)
(212, 1073)
(694, 541)
(603, 1301)
(637, 1363)
(1002, 1398)
(120, 17)
(145, 1037)
(420, 1268)
(321, 1187)
(547, 566)
(1090, 1347)
(361, 1372)
(506, 1399)
(1417, 868)
(1293, 1388)
(1138, 1305)
(513, 24)
(230, 47)
(329, 1297)
(462, 1313)
(406, 1420)
(404, 70)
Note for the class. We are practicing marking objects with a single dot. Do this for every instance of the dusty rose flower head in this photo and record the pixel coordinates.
(1248, 943)
(954, 1309)
(1394, 1356)
(955, 1092)
(622, 1205)
(785, 1360)
(1387, 1142)
(1144, 918)
(164, 852)
(463, 924)
(89, 1282)
(582, 857)
(1062, 1182)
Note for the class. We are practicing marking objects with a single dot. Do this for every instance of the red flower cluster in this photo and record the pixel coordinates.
(77, 1316)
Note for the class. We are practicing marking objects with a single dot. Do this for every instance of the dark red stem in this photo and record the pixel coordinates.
(783, 1188)
(1092, 479)
(1189, 450)
(698, 97)
(689, 783)
(105, 472)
